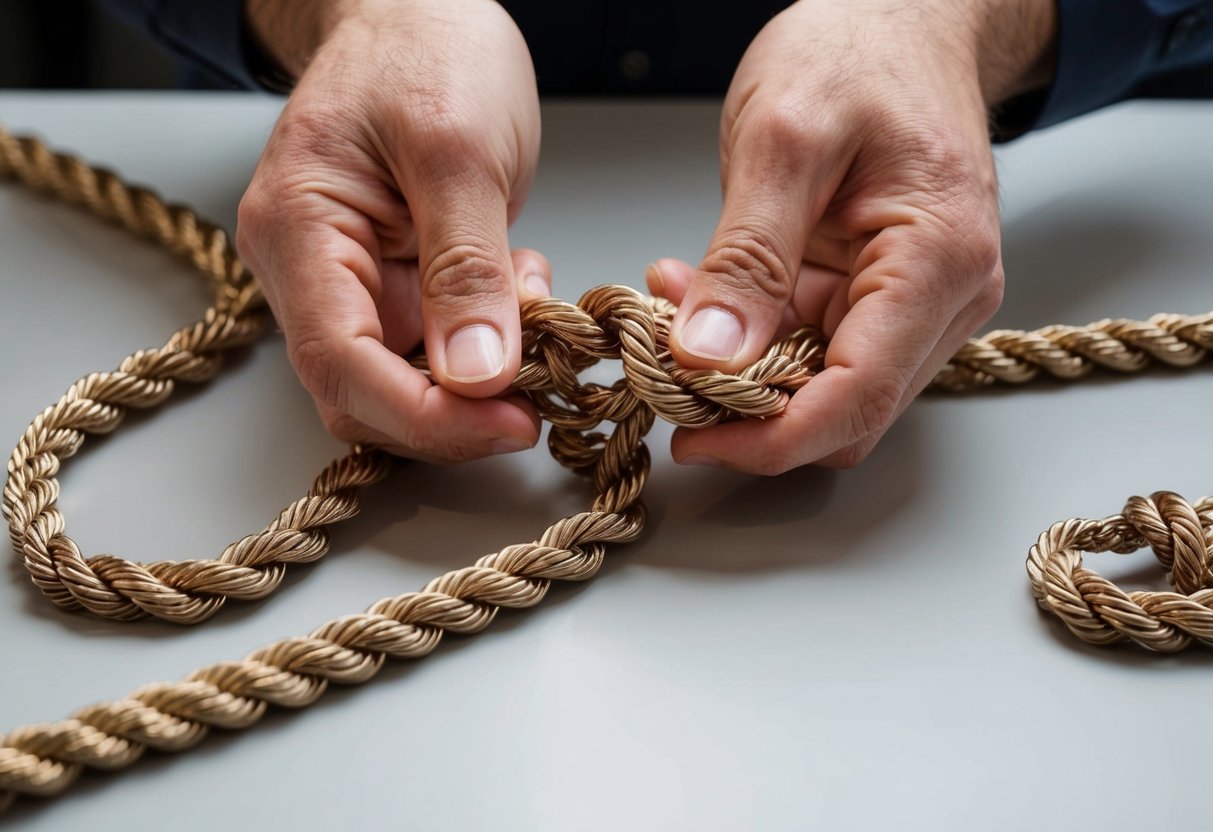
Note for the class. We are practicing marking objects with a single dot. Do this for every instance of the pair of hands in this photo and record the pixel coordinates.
(859, 195)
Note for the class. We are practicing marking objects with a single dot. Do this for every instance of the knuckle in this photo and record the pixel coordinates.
(319, 367)
(434, 108)
(313, 128)
(251, 208)
(985, 249)
(255, 248)
(314, 122)
(250, 219)
(989, 299)
(465, 273)
(748, 262)
(928, 145)
(788, 128)
(934, 157)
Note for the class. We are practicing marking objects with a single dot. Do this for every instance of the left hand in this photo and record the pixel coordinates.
(859, 195)
(378, 218)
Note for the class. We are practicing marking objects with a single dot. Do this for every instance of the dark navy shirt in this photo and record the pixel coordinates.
(1108, 50)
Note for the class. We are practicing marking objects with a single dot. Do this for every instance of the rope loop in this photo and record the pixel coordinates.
(1179, 533)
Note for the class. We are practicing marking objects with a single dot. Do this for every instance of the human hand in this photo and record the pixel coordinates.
(377, 217)
(859, 195)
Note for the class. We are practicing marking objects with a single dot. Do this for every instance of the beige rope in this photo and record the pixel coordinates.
(561, 340)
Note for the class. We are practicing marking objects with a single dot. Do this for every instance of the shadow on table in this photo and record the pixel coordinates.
(1073, 249)
(699, 518)
(716, 520)
(1124, 654)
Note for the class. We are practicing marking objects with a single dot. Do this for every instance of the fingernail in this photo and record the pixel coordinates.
(652, 276)
(699, 459)
(536, 285)
(474, 353)
(509, 445)
(712, 333)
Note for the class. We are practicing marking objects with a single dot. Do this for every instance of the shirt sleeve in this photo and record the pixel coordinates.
(1113, 50)
(208, 34)
(1108, 51)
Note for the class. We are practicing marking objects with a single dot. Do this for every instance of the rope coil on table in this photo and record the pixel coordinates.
(561, 340)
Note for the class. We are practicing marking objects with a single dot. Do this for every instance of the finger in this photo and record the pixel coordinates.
(533, 273)
(815, 287)
(975, 316)
(336, 341)
(669, 278)
(399, 306)
(837, 307)
(895, 322)
(345, 427)
(348, 429)
(780, 177)
(469, 299)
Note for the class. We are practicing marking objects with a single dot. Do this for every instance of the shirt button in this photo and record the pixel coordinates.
(634, 65)
(1186, 28)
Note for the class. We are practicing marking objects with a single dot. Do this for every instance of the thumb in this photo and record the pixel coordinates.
(469, 302)
(738, 296)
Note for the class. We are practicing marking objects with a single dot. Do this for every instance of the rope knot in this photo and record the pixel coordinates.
(1172, 528)
(611, 322)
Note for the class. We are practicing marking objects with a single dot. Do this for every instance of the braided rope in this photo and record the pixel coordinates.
(561, 340)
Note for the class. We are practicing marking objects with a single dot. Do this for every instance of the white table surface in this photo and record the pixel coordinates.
(852, 650)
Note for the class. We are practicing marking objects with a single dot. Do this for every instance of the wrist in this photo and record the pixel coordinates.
(1015, 47)
(288, 33)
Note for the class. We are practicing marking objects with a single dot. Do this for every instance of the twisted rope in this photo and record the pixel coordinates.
(1014, 356)
(1096, 610)
(561, 340)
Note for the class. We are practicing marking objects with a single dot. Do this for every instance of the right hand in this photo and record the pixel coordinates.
(860, 197)
(377, 217)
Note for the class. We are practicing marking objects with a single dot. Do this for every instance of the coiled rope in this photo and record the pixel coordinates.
(560, 341)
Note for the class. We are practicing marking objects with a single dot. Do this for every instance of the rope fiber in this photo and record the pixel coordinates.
(561, 340)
